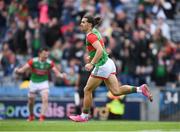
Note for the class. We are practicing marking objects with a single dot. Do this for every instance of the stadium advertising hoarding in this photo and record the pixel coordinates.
(18, 109)
(169, 104)
(56, 109)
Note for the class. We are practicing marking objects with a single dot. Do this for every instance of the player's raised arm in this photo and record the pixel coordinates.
(57, 73)
(20, 70)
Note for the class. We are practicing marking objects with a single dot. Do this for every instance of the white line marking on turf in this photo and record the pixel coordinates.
(100, 131)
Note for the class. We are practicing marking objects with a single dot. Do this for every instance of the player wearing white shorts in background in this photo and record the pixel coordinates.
(38, 87)
(40, 67)
(103, 69)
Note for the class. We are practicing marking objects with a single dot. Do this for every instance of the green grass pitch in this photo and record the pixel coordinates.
(99, 126)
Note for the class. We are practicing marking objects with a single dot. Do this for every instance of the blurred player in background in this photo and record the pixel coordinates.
(103, 69)
(40, 67)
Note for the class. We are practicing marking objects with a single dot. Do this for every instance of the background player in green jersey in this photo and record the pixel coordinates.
(103, 69)
(40, 67)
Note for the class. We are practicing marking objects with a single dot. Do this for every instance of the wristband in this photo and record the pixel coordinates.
(92, 63)
(61, 75)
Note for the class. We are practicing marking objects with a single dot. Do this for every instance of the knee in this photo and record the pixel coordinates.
(116, 92)
(31, 101)
(45, 100)
(87, 90)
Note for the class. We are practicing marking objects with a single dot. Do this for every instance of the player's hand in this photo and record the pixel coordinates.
(87, 59)
(63, 75)
(89, 66)
(15, 70)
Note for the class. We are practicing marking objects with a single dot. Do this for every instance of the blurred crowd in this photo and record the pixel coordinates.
(136, 35)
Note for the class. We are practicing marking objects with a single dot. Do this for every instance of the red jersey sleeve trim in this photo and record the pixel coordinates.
(91, 38)
(52, 64)
(30, 62)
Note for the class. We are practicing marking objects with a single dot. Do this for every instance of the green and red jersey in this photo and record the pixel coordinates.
(90, 39)
(40, 70)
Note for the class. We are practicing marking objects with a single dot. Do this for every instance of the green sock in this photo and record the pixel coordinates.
(133, 89)
(85, 110)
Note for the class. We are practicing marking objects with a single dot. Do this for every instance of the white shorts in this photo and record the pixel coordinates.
(105, 70)
(35, 88)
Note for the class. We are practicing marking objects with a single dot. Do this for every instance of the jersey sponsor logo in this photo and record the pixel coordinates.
(40, 72)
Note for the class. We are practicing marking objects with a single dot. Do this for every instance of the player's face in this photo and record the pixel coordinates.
(44, 55)
(84, 24)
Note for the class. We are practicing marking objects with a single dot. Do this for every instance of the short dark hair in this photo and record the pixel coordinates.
(43, 49)
(93, 20)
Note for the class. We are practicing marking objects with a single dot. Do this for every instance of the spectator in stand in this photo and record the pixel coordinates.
(150, 26)
(128, 64)
(34, 36)
(3, 15)
(52, 33)
(160, 74)
(8, 60)
(22, 13)
(43, 12)
(141, 12)
(72, 70)
(148, 4)
(164, 8)
(12, 10)
(76, 51)
(142, 52)
(164, 28)
(33, 8)
(105, 12)
(55, 8)
(158, 40)
(175, 65)
(120, 18)
(57, 52)
(20, 41)
(72, 77)
(10, 36)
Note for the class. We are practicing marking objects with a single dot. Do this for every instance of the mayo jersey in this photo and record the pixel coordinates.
(40, 70)
(90, 39)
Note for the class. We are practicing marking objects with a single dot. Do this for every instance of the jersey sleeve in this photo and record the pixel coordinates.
(52, 64)
(30, 62)
(91, 38)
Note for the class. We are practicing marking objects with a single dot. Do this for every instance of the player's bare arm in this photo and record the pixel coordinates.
(99, 51)
(57, 73)
(22, 69)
